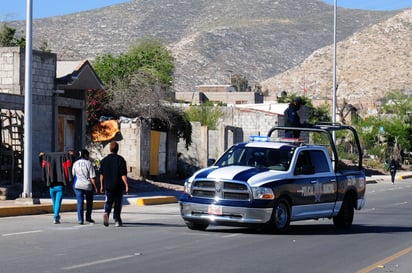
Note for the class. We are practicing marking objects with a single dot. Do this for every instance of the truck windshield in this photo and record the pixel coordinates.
(270, 158)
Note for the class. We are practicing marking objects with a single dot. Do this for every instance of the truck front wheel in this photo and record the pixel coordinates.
(345, 217)
(280, 216)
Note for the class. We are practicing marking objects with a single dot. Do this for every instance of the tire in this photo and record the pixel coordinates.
(196, 225)
(280, 219)
(345, 217)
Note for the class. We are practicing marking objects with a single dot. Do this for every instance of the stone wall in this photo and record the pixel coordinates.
(252, 122)
(11, 80)
(43, 109)
(197, 97)
(236, 126)
(134, 145)
(12, 72)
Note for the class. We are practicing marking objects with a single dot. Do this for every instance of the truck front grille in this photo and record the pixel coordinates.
(221, 190)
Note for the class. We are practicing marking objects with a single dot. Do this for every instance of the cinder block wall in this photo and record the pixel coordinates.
(134, 146)
(43, 84)
(11, 80)
(250, 122)
(12, 84)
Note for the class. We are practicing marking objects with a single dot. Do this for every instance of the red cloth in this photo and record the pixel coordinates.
(56, 168)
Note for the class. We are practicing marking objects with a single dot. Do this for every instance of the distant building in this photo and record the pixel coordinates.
(58, 107)
(59, 100)
(219, 94)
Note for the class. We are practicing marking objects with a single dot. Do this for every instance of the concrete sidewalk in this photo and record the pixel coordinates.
(29, 206)
(400, 176)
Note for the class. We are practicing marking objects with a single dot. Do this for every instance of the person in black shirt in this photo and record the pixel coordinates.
(393, 166)
(292, 118)
(113, 182)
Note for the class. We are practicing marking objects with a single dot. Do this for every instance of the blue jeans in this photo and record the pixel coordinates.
(56, 194)
(80, 196)
(115, 198)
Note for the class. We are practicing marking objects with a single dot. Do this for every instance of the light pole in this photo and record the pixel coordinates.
(334, 68)
(27, 164)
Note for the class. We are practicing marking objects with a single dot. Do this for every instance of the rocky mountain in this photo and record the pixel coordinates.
(210, 39)
(369, 63)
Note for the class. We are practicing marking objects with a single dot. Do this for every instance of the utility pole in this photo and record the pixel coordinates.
(334, 68)
(27, 164)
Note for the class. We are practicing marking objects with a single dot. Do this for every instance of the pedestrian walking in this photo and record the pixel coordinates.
(393, 166)
(57, 174)
(113, 182)
(84, 176)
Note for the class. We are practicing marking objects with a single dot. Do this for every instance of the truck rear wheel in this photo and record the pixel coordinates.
(196, 225)
(345, 217)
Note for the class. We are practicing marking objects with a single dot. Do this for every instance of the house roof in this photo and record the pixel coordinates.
(74, 75)
(274, 108)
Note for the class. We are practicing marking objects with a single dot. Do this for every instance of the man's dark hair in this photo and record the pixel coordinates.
(84, 154)
(114, 147)
(298, 101)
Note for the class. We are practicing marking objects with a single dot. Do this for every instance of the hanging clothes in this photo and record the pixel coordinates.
(56, 168)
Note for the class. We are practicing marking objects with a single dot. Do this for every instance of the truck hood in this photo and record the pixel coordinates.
(250, 175)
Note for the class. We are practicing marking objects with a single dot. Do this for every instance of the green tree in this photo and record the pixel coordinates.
(8, 37)
(240, 82)
(396, 104)
(389, 133)
(207, 114)
(148, 58)
(138, 83)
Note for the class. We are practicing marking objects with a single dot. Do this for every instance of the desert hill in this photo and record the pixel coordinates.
(209, 39)
(370, 63)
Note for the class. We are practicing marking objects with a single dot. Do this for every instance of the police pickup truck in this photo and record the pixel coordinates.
(270, 181)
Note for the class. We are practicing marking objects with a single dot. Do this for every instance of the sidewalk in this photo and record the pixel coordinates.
(28, 206)
(400, 176)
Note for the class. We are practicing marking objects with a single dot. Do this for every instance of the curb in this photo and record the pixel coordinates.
(33, 208)
(156, 200)
(402, 177)
(41, 209)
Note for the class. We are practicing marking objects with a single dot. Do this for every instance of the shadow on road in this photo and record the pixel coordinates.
(316, 229)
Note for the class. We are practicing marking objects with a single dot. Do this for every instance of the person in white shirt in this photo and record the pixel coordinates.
(84, 183)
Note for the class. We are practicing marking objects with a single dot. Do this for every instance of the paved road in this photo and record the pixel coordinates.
(155, 239)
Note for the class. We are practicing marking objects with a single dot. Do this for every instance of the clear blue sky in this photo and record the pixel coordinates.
(16, 9)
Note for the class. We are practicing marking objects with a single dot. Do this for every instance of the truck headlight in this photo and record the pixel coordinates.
(263, 193)
(187, 187)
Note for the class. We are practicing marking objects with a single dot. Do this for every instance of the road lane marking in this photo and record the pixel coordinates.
(230, 235)
(366, 210)
(398, 204)
(101, 261)
(382, 262)
(21, 233)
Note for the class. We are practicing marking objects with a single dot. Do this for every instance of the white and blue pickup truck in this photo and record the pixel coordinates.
(268, 182)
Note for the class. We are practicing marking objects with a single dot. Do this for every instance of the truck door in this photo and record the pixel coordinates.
(315, 185)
